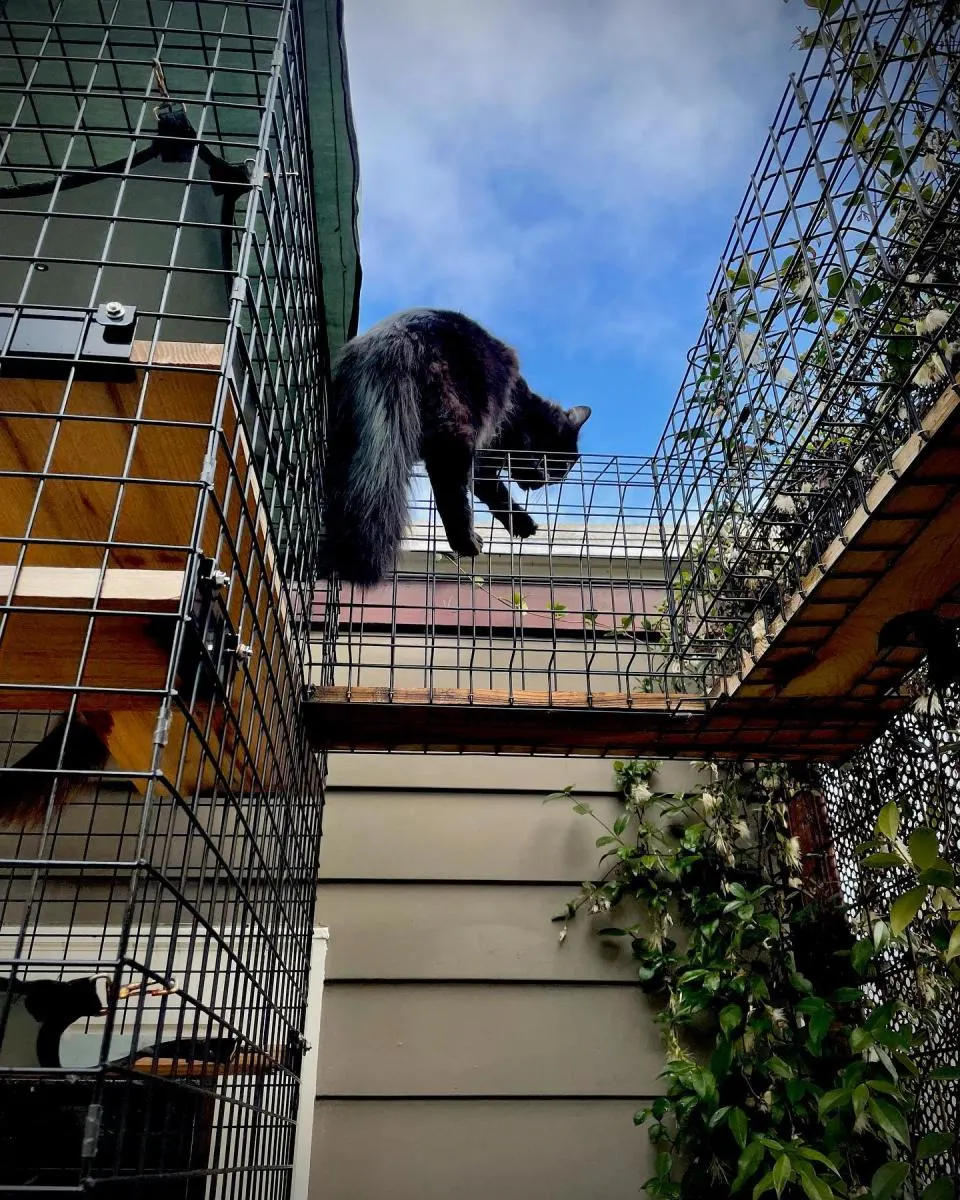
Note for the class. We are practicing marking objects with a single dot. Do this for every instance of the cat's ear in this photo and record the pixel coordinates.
(577, 416)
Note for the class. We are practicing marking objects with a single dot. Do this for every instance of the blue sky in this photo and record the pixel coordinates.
(566, 172)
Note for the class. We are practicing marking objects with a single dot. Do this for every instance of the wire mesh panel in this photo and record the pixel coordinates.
(575, 612)
(162, 372)
(831, 324)
(915, 765)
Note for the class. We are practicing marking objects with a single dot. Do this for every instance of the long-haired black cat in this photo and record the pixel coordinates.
(433, 385)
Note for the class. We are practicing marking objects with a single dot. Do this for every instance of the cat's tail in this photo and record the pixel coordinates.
(373, 443)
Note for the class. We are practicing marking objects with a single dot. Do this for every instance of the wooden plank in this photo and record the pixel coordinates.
(140, 590)
(520, 698)
(98, 433)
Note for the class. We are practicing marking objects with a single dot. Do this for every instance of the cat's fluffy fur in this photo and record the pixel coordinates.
(434, 386)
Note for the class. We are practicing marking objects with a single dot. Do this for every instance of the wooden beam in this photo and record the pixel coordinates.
(138, 590)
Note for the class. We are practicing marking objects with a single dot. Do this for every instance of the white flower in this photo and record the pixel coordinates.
(751, 348)
(640, 793)
(741, 829)
(806, 487)
(860, 466)
(932, 163)
(785, 504)
(563, 935)
(708, 801)
(935, 319)
(913, 277)
(777, 1016)
(928, 705)
(791, 851)
(795, 882)
(931, 371)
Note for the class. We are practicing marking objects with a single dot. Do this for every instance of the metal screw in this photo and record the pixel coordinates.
(220, 579)
(114, 309)
(243, 652)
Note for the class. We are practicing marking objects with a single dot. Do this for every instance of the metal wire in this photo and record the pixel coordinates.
(157, 558)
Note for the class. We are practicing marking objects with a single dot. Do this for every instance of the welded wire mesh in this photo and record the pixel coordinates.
(831, 320)
(915, 765)
(158, 536)
(578, 608)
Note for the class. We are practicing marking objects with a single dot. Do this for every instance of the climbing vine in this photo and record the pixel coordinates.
(784, 1073)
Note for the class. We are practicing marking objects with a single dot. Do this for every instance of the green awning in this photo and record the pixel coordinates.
(336, 171)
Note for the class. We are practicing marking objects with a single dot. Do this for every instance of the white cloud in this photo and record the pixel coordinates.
(517, 155)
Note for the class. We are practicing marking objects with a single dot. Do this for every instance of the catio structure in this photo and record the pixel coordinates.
(726, 595)
(172, 176)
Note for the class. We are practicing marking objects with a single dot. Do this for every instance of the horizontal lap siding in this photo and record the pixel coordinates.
(464, 1051)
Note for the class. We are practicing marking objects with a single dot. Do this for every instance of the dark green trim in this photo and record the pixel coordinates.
(336, 167)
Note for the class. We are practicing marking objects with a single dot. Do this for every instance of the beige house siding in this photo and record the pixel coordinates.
(463, 1051)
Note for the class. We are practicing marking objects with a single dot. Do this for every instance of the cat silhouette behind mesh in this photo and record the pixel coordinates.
(433, 386)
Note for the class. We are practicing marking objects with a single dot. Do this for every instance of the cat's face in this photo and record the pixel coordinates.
(552, 448)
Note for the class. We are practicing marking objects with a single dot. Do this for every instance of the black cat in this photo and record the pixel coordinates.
(434, 386)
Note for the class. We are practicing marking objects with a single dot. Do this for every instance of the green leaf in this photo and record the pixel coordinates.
(861, 1096)
(718, 1116)
(816, 1156)
(816, 1188)
(747, 1165)
(776, 1066)
(888, 819)
(885, 858)
(583, 809)
(781, 1173)
(953, 949)
(888, 1180)
(831, 1100)
(621, 823)
(950, 1073)
(937, 876)
(905, 908)
(730, 1018)
(766, 1184)
(891, 1120)
(605, 841)
(923, 847)
(612, 931)
(943, 1188)
(861, 954)
(934, 1143)
(834, 283)
(737, 1122)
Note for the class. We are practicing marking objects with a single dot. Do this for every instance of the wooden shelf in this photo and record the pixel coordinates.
(899, 552)
(458, 721)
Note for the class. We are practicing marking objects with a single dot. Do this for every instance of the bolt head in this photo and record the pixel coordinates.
(114, 309)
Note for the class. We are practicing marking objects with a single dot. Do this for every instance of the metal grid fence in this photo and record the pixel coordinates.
(831, 320)
(914, 764)
(161, 404)
(579, 607)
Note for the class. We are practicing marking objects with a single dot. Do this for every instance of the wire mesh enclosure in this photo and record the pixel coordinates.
(576, 609)
(819, 376)
(915, 765)
(162, 365)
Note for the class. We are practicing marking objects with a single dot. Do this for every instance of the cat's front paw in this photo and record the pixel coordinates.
(467, 546)
(523, 524)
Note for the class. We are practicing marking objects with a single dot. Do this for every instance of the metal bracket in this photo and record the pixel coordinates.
(47, 343)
